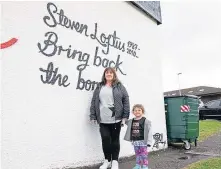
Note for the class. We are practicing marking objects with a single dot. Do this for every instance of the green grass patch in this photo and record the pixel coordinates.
(208, 128)
(213, 163)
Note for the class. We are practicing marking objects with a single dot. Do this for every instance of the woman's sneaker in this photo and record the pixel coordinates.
(105, 165)
(115, 164)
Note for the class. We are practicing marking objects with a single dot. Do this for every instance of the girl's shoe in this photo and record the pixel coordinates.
(137, 166)
(144, 167)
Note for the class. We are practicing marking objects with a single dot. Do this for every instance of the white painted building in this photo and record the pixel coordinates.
(53, 56)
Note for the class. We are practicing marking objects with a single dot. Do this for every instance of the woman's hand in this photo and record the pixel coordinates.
(123, 122)
(93, 121)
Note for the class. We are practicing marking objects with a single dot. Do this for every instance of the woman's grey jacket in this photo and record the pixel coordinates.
(121, 102)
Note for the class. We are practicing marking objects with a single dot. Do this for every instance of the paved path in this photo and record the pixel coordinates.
(177, 158)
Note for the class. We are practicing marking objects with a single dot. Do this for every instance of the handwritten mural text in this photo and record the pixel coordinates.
(51, 47)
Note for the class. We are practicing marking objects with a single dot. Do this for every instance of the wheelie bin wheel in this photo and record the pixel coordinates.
(187, 145)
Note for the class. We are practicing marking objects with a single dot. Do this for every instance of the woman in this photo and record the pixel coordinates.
(110, 108)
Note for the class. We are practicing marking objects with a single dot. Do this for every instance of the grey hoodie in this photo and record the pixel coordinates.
(147, 132)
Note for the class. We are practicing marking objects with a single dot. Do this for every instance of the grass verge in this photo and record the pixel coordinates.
(213, 163)
(208, 128)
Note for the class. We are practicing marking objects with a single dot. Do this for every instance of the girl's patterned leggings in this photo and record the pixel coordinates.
(141, 154)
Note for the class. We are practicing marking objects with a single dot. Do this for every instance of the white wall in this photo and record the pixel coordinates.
(0, 92)
(46, 126)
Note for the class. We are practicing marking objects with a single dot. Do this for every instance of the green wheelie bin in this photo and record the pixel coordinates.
(182, 119)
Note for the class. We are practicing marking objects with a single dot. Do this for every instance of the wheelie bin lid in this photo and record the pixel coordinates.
(190, 96)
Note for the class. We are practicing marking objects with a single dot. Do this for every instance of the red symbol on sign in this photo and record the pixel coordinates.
(8, 43)
(185, 108)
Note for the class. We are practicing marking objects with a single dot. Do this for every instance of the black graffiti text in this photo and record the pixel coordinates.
(62, 20)
(51, 48)
(108, 41)
(57, 17)
(85, 84)
(51, 76)
(132, 48)
(104, 62)
(132, 52)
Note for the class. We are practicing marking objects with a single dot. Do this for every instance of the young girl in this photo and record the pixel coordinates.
(139, 133)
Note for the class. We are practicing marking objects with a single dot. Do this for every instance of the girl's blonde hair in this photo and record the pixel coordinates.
(140, 106)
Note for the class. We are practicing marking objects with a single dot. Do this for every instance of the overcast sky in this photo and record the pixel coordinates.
(191, 44)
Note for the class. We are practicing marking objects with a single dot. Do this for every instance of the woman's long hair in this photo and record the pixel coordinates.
(115, 78)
